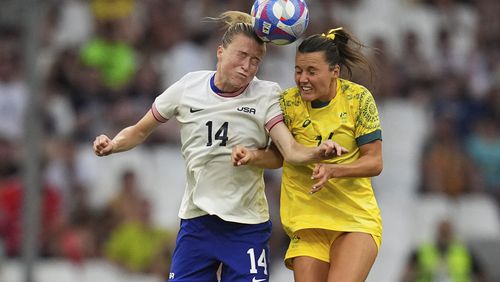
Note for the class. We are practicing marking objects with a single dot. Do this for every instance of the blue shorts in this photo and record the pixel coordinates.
(205, 242)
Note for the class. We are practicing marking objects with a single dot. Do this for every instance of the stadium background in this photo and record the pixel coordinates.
(78, 68)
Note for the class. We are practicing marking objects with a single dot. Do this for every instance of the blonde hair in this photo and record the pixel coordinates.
(236, 23)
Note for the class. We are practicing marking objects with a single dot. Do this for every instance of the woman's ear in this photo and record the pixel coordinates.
(220, 50)
(335, 70)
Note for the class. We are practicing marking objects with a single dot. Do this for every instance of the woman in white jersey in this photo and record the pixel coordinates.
(224, 212)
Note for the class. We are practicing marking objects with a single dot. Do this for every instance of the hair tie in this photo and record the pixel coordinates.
(331, 33)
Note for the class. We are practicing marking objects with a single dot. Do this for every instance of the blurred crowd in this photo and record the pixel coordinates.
(102, 63)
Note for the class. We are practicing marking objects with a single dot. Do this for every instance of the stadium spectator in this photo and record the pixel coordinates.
(138, 246)
(11, 211)
(414, 65)
(110, 51)
(483, 146)
(123, 206)
(445, 168)
(13, 88)
(445, 259)
(79, 240)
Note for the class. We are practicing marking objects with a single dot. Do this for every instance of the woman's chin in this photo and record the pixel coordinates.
(308, 97)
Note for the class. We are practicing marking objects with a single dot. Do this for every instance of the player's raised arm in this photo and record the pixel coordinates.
(284, 147)
(269, 158)
(126, 139)
(296, 153)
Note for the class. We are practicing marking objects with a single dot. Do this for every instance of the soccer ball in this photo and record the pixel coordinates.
(280, 22)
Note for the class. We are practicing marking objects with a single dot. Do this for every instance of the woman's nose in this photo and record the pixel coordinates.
(246, 65)
(303, 77)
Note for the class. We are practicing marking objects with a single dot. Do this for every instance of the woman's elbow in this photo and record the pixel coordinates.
(276, 165)
(379, 166)
(277, 162)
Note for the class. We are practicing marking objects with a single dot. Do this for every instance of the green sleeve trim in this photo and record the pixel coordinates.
(367, 138)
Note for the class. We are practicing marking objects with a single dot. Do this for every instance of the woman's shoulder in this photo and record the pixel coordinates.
(354, 93)
(202, 74)
(351, 87)
(291, 93)
(264, 83)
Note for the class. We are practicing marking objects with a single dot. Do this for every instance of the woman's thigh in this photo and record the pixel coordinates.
(351, 257)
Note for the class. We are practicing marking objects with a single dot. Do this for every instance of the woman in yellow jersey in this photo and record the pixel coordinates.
(329, 209)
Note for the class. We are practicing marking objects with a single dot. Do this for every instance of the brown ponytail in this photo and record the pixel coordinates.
(340, 48)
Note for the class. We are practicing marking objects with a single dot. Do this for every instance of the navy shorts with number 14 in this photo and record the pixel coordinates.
(204, 242)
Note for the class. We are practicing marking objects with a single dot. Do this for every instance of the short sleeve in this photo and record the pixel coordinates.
(367, 122)
(274, 114)
(285, 105)
(167, 103)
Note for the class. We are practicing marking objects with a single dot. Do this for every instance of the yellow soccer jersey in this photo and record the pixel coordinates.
(343, 204)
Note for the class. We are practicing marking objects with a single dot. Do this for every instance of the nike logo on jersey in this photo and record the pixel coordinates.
(191, 110)
(247, 110)
(257, 280)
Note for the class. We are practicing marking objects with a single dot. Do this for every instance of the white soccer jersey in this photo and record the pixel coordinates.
(211, 124)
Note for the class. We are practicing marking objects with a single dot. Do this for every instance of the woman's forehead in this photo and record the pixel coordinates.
(313, 57)
(246, 44)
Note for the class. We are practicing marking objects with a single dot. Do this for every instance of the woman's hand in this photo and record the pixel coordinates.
(322, 172)
(103, 145)
(329, 149)
(241, 155)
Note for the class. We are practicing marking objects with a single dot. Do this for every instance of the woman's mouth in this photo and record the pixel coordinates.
(305, 89)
